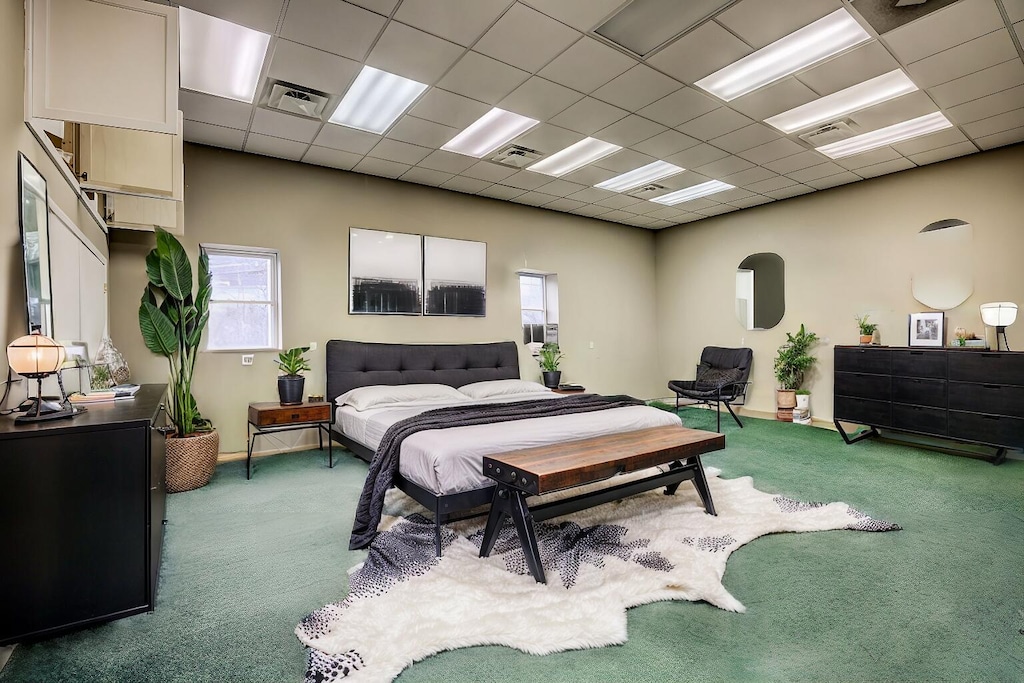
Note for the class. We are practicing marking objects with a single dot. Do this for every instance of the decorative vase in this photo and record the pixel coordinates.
(191, 460)
(785, 400)
(866, 338)
(289, 389)
(551, 379)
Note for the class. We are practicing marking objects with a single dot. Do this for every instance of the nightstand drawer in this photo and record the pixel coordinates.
(264, 415)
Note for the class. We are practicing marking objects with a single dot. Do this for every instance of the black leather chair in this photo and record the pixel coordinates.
(722, 378)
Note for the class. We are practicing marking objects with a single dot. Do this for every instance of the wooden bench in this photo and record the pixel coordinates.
(536, 471)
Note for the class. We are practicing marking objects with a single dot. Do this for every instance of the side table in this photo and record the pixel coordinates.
(569, 391)
(272, 417)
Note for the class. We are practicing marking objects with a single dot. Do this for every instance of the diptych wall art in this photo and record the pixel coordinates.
(454, 277)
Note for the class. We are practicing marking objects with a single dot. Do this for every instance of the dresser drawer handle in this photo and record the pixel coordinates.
(295, 416)
(992, 386)
(991, 355)
(917, 353)
(991, 417)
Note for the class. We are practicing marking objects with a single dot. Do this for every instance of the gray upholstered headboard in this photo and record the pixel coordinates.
(352, 364)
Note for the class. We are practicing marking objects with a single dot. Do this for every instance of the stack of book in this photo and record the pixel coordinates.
(116, 393)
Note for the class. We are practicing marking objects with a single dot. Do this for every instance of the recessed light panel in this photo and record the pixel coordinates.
(586, 151)
(694, 192)
(640, 176)
(922, 125)
(375, 100)
(220, 58)
(861, 96)
(489, 132)
(809, 45)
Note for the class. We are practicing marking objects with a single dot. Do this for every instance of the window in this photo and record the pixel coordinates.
(538, 296)
(245, 310)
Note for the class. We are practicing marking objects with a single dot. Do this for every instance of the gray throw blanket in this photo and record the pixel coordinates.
(384, 465)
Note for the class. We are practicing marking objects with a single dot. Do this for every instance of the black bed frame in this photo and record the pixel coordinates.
(353, 364)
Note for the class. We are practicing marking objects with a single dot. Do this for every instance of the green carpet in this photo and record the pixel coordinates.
(244, 561)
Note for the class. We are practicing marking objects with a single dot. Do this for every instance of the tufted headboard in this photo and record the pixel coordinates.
(352, 364)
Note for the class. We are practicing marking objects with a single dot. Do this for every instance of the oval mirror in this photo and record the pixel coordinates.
(943, 276)
(761, 291)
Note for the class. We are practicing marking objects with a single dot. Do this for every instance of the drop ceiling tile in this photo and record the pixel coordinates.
(795, 162)
(995, 124)
(751, 175)
(467, 185)
(402, 152)
(502, 192)
(696, 156)
(637, 88)
(729, 196)
(482, 78)
(561, 188)
(945, 28)
(548, 139)
(618, 201)
(383, 7)
(564, 204)
(449, 109)
(592, 210)
(274, 147)
(760, 22)
(826, 169)
(1014, 10)
(527, 180)
(663, 144)
(769, 185)
(580, 14)
(1019, 29)
(287, 126)
(425, 176)
(449, 162)
(774, 99)
(942, 153)
(791, 191)
(762, 154)
(718, 210)
(534, 198)
(691, 217)
(714, 124)
(486, 170)
(421, 132)
(1006, 137)
(624, 160)
(346, 139)
(333, 26)
(745, 138)
(629, 131)
(682, 181)
(754, 200)
(618, 216)
(876, 156)
(702, 204)
(381, 167)
(411, 53)
(643, 221)
(587, 65)
(909, 106)
(856, 66)
(681, 106)
(978, 54)
(324, 156)
(540, 99)
(723, 167)
(589, 116)
(589, 175)
(261, 15)
(988, 106)
(591, 195)
(460, 21)
(316, 69)
(666, 213)
(884, 168)
(525, 38)
(925, 143)
(702, 51)
(648, 208)
(215, 136)
(216, 110)
(973, 86)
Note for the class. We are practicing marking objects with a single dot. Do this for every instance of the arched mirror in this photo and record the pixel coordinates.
(761, 291)
(943, 276)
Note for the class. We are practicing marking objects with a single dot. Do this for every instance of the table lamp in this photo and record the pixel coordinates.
(1000, 315)
(36, 356)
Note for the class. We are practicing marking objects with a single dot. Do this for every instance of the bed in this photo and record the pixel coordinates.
(442, 469)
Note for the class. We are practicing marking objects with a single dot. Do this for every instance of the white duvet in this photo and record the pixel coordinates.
(449, 460)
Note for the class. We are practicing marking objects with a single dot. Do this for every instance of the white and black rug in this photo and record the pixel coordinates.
(405, 604)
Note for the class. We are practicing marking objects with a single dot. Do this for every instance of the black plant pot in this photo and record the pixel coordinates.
(551, 379)
(289, 388)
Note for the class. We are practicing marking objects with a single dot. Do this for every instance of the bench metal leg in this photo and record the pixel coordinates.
(700, 482)
(513, 503)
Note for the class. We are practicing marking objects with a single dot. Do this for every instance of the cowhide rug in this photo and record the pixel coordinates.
(405, 604)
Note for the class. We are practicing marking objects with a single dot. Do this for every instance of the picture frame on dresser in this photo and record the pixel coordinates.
(927, 329)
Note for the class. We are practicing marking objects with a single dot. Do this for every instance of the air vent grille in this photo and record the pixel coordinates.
(515, 156)
(297, 100)
(829, 133)
(647, 191)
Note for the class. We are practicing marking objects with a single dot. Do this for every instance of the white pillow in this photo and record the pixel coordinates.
(380, 395)
(502, 387)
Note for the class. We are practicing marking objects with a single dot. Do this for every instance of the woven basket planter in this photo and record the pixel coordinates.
(191, 460)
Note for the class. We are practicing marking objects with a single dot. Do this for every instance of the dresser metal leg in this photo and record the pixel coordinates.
(870, 431)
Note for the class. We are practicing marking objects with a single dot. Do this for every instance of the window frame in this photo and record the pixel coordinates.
(549, 293)
(275, 295)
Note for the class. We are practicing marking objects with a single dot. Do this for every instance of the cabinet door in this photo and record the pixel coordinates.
(132, 162)
(143, 213)
(106, 62)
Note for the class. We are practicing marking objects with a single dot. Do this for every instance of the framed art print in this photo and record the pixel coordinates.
(384, 272)
(454, 277)
(927, 329)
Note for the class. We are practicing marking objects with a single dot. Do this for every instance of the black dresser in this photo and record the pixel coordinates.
(81, 516)
(970, 396)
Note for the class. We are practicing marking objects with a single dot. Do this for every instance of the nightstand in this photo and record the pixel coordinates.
(570, 391)
(272, 417)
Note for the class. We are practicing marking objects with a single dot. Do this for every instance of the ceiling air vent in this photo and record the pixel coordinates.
(647, 191)
(829, 133)
(297, 100)
(515, 156)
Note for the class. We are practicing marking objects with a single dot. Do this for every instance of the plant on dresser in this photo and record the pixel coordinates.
(867, 330)
(792, 362)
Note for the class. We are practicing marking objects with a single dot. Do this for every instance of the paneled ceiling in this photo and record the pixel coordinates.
(543, 59)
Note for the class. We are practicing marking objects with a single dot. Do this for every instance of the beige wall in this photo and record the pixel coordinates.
(605, 275)
(848, 251)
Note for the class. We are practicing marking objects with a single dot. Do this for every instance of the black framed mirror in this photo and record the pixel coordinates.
(33, 215)
(761, 291)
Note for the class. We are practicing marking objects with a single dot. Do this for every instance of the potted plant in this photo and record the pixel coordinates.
(791, 363)
(549, 358)
(291, 383)
(172, 320)
(867, 330)
(803, 399)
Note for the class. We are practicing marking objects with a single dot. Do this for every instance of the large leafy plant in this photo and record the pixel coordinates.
(292, 361)
(793, 359)
(172, 320)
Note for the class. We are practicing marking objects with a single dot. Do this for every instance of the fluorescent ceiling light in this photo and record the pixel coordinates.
(489, 132)
(898, 132)
(375, 100)
(586, 151)
(806, 46)
(861, 96)
(220, 58)
(640, 176)
(694, 192)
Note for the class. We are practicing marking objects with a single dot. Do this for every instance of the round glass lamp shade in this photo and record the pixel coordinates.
(35, 355)
(999, 313)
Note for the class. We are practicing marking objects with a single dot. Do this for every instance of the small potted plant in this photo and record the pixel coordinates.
(291, 383)
(549, 358)
(867, 330)
(792, 361)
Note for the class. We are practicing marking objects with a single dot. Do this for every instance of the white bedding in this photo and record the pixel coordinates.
(449, 460)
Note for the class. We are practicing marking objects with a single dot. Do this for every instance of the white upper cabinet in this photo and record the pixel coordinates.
(145, 213)
(105, 62)
(133, 162)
